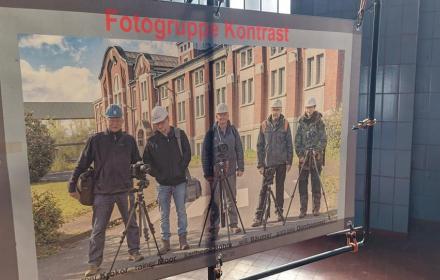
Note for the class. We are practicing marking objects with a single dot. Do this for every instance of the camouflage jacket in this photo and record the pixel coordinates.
(310, 134)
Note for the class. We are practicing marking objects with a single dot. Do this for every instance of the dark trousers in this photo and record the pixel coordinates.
(280, 177)
(102, 210)
(310, 169)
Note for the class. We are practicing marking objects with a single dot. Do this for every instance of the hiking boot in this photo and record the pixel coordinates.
(183, 242)
(92, 270)
(165, 247)
(135, 257)
(316, 205)
(302, 214)
(256, 223)
(280, 218)
(235, 229)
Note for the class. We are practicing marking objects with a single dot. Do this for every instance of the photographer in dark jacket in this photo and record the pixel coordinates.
(221, 133)
(112, 153)
(168, 166)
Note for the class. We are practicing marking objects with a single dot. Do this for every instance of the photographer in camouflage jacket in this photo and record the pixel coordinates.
(310, 141)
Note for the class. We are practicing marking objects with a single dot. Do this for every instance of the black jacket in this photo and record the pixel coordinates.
(111, 154)
(162, 152)
(234, 156)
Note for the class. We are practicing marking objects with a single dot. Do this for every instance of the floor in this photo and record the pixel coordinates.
(415, 256)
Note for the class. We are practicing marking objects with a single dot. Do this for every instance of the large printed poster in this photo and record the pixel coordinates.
(235, 137)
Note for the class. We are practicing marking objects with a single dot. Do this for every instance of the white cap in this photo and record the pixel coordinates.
(311, 102)
(158, 114)
(277, 104)
(222, 108)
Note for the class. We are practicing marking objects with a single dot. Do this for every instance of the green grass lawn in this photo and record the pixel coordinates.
(70, 207)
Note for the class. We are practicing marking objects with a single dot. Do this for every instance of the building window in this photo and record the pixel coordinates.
(310, 62)
(185, 60)
(163, 91)
(243, 141)
(246, 57)
(273, 51)
(243, 59)
(198, 76)
(273, 82)
(168, 109)
(248, 142)
(320, 68)
(200, 105)
(181, 111)
(116, 90)
(198, 149)
(281, 80)
(220, 68)
(180, 86)
(220, 96)
(140, 138)
(144, 90)
(133, 98)
(247, 94)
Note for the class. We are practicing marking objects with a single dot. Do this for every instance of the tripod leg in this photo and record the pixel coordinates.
(222, 208)
(233, 199)
(266, 209)
(151, 226)
(143, 226)
(276, 205)
(124, 233)
(140, 221)
(211, 201)
(296, 186)
(222, 191)
(322, 187)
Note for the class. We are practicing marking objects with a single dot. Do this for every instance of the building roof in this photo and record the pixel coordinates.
(60, 110)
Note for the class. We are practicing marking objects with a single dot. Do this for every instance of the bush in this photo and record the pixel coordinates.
(41, 148)
(47, 218)
(333, 127)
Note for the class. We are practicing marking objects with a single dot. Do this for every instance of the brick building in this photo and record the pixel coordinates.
(247, 78)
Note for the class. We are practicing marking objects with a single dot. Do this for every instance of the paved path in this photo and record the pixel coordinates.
(71, 261)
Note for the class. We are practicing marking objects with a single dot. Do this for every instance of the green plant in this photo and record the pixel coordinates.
(333, 126)
(47, 217)
(40, 147)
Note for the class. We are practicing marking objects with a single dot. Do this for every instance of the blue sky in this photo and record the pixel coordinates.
(59, 68)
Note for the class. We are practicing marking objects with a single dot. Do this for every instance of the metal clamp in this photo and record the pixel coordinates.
(366, 123)
(351, 239)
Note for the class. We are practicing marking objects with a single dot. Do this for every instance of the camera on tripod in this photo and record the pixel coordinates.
(222, 150)
(139, 170)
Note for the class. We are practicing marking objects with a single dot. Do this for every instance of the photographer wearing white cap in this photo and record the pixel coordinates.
(168, 165)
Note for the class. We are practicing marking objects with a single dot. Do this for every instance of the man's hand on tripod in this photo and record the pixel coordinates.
(261, 170)
(210, 179)
(239, 173)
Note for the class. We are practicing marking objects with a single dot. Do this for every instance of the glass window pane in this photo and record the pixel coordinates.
(284, 6)
(236, 4)
(270, 6)
(252, 5)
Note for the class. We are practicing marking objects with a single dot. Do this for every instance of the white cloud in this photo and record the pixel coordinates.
(41, 41)
(66, 84)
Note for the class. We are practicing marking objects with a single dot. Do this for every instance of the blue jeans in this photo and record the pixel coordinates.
(164, 198)
(102, 210)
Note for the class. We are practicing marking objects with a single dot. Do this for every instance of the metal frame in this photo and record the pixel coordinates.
(54, 17)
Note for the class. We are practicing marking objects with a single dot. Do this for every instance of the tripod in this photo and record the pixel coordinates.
(144, 220)
(311, 160)
(220, 179)
(268, 182)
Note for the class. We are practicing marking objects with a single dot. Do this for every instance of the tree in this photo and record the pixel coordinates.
(41, 147)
